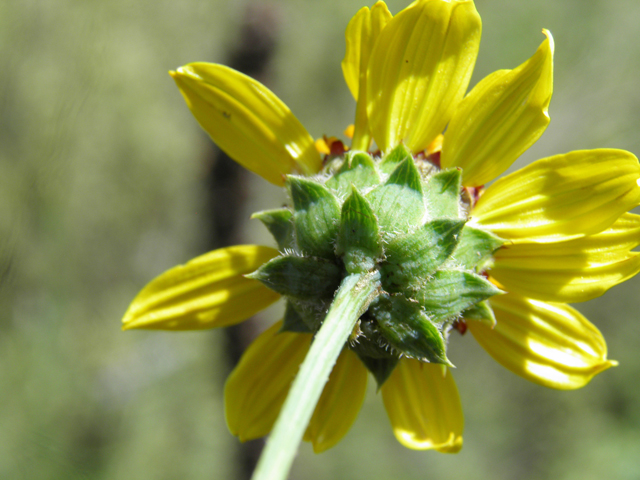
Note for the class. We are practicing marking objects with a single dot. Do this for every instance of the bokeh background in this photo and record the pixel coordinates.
(106, 181)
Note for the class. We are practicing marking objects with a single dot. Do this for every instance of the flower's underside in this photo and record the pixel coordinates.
(414, 209)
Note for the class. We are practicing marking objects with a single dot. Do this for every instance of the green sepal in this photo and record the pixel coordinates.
(304, 278)
(408, 329)
(406, 174)
(475, 248)
(442, 192)
(354, 159)
(293, 322)
(380, 368)
(369, 341)
(279, 224)
(358, 169)
(394, 157)
(311, 311)
(399, 203)
(358, 239)
(410, 259)
(450, 292)
(316, 216)
(481, 312)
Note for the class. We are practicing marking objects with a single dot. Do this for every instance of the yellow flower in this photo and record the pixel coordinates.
(563, 219)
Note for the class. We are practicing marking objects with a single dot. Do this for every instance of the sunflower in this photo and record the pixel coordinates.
(407, 202)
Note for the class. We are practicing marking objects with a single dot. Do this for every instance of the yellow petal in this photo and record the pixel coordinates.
(547, 343)
(258, 386)
(572, 271)
(209, 291)
(561, 197)
(351, 61)
(435, 146)
(339, 404)
(322, 147)
(419, 71)
(423, 405)
(360, 36)
(362, 32)
(348, 132)
(501, 117)
(247, 121)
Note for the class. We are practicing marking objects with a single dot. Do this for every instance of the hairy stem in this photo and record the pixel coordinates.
(351, 300)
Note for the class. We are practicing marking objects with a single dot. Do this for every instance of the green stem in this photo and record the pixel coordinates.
(351, 300)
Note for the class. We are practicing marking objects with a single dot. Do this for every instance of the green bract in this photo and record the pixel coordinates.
(400, 216)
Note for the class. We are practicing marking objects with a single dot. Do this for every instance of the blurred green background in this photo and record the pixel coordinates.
(102, 187)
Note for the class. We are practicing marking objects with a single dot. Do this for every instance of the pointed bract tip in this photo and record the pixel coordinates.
(448, 363)
(253, 275)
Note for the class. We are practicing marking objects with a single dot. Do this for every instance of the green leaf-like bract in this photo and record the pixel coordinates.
(399, 154)
(450, 292)
(412, 258)
(381, 368)
(293, 321)
(279, 224)
(408, 329)
(474, 248)
(305, 278)
(399, 203)
(396, 217)
(358, 240)
(481, 312)
(316, 216)
(442, 192)
(358, 169)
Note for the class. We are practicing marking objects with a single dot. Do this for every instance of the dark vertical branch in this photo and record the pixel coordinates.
(226, 186)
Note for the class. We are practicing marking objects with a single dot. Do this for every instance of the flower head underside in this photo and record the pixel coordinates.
(407, 200)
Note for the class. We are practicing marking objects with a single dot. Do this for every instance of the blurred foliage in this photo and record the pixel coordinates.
(101, 189)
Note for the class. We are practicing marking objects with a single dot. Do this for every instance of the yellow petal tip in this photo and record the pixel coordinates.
(453, 445)
(547, 34)
(129, 321)
(348, 132)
